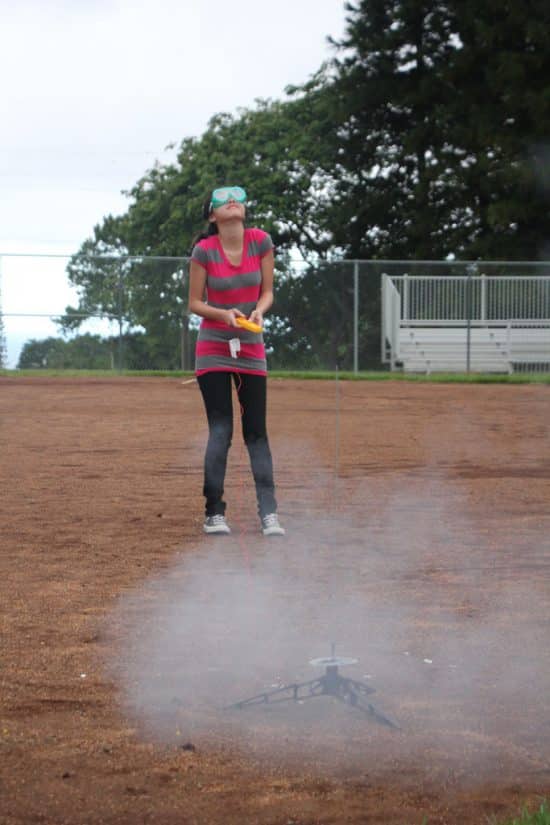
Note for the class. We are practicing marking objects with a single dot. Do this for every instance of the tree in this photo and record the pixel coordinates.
(420, 139)
(262, 146)
(84, 352)
(501, 117)
(93, 352)
(394, 185)
(443, 109)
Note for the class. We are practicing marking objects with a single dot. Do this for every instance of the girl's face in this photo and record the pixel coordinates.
(228, 212)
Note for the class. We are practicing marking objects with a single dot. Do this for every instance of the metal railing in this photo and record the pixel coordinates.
(479, 298)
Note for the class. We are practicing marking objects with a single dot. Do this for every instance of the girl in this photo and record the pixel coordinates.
(234, 266)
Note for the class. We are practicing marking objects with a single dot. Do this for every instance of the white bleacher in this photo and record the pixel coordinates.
(424, 327)
(444, 349)
(530, 343)
(492, 349)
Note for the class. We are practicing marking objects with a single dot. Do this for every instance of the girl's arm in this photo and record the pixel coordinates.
(197, 304)
(265, 300)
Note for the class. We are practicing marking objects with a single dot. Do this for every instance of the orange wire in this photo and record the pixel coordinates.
(240, 531)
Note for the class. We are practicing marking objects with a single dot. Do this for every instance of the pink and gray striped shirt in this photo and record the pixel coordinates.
(231, 286)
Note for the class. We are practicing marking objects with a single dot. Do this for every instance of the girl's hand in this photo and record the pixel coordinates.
(231, 314)
(257, 318)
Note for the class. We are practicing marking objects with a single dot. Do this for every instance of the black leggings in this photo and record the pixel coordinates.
(216, 392)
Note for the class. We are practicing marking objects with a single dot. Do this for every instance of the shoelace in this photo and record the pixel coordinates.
(218, 520)
(271, 520)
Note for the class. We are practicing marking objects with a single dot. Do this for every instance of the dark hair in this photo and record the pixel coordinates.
(212, 228)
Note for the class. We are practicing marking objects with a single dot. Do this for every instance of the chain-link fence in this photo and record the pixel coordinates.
(131, 313)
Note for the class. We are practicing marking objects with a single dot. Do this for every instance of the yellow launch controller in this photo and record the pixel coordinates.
(246, 324)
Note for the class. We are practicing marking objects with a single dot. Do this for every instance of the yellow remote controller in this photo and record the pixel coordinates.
(246, 324)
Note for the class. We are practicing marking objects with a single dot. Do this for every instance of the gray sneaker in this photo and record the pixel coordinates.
(271, 526)
(216, 525)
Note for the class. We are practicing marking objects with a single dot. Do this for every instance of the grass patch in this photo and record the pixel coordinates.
(303, 375)
(540, 817)
(422, 378)
(94, 373)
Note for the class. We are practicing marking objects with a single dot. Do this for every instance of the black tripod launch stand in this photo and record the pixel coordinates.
(349, 691)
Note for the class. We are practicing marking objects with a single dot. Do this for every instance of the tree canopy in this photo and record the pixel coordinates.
(423, 137)
(132, 351)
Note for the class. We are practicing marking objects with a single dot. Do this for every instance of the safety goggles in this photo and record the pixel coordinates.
(226, 194)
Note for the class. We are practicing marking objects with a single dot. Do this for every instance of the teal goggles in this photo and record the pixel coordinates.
(226, 194)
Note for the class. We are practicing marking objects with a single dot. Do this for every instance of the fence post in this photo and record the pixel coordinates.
(185, 359)
(405, 297)
(396, 327)
(469, 284)
(119, 319)
(3, 345)
(186, 354)
(509, 346)
(383, 317)
(356, 316)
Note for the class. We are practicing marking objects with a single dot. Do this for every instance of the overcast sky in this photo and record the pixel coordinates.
(95, 90)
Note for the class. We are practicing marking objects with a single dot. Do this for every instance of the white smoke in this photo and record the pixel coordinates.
(408, 581)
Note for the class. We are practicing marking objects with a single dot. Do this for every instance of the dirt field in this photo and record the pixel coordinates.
(418, 539)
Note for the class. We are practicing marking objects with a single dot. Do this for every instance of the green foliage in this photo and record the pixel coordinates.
(91, 352)
(164, 217)
(86, 351)
(263, 148)
(501, 117)
(313, 322)
(539, 817)
(397, 194)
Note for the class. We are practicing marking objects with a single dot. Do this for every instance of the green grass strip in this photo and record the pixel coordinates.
(70, 373)
(303, 375)
(433, 378)
(540, 817)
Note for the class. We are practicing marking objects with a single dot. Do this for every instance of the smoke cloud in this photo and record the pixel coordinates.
(446, 627)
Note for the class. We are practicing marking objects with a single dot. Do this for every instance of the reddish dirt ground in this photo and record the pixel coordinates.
(440, 495)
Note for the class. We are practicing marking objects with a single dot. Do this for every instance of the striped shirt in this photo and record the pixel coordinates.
(231, 286)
